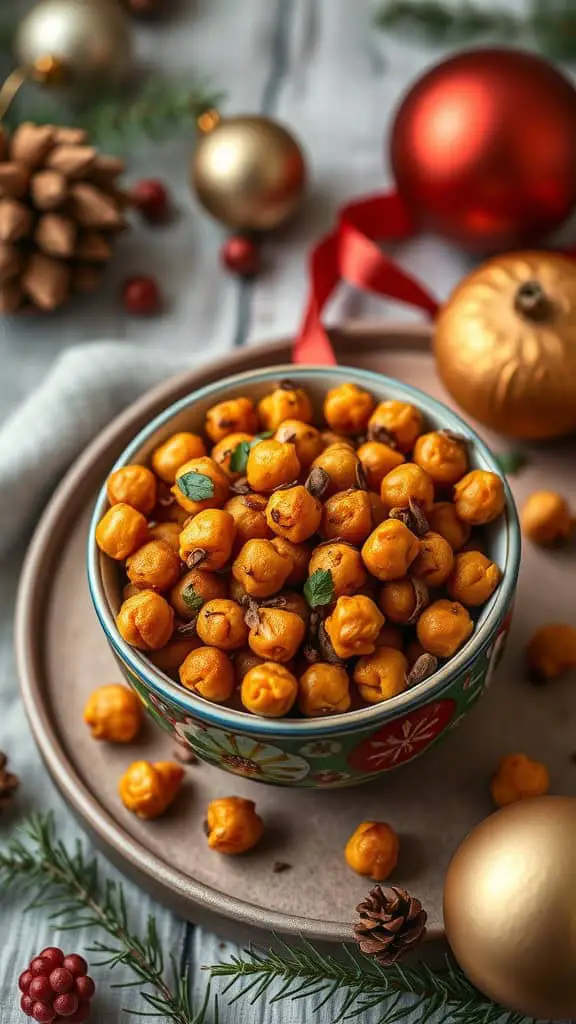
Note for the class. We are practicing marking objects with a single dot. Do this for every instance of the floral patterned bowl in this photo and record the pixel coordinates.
(346, 749)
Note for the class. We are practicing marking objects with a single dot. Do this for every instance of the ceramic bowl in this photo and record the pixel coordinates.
(346, 749)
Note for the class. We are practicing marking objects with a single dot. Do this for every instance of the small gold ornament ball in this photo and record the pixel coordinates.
(91, 39)
(510, 907)
(248, 172)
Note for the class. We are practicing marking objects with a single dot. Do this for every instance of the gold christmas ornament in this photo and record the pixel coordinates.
(505, 344)
(90, 41)
(248, 172)
(510, 911)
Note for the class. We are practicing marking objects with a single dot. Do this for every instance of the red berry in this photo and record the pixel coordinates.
(53, 954)
(43, 1013)
(75, 964)
(24, 981)
(141, 295)
(66, 1004)
(61, 980)
(40, 966)
(41, 989)
(151, 198)
(26, 1004)
(81, 1014)
(85, 987)
(241, 255)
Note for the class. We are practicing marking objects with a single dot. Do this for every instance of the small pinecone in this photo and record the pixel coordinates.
(391, 923)
(60, 211)
(8, 783)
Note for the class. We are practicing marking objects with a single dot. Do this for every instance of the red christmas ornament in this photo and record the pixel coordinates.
(56, 988)
(483, 149)
(151, 200)
(241, 256)
(141, 295)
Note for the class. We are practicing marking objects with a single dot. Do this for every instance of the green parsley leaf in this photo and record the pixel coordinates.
(239, 456)
(319, 588)
(192, 598)
(196, 486)
(512, 462)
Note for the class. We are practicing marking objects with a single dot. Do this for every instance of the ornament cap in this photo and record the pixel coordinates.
(532, 302)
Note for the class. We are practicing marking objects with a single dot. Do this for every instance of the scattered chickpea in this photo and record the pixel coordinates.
(121, 531)
(114, 713)
(443, 519)
(155, 565)
(208, 672)
(378, 459)
(474, 578)
(378, 509)
(294, 514)
(176, 450)
(381, 675)
(207, 540)
(354, 625)
(168, 659)
(442, 456)
(221, 624)
(233, 825)
(414, 650)
(518, 778)
(249, 514)
(261, 569)
(132, 485)
(300, 555)
(167, 532)
(284, 403)
(347, 409)
(400, 420)
(330, 437)
(147, 789)
(341, 463)
(306, 439)
(234, 416)
(271, 464)
(146, 621)
(193, 590)
(244, 660)
(390, 550)
(324, 690)
(345, 565)
(373, 850)
(278, 634)
(269, 690)
(407, 483)
(223, 451)
(390, 636)
(443, 627)
(204, 467)
(551, 651)
(546, 518)
(292, 601)
(347, 516)
(479, 497)
(401, 600)
(435, 560)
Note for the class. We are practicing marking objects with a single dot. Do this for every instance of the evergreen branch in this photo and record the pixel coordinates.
(70, 884)
(358, 985)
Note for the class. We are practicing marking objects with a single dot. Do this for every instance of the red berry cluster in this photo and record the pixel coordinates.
(56, 988)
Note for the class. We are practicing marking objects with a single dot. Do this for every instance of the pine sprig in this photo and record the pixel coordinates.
(359, 984)
(69, 884)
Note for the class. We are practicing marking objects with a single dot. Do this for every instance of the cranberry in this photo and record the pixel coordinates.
(26, 1004)
(61, 980)
(66, 1004)
(24, 981)
(85, 987)
(53, 954)
(40, 966)
(43, 1013)
(41, 989)
(141, 295)
(75, 964)
(241, 255)
(151, 199)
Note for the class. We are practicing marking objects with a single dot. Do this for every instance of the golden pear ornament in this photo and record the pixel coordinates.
(505, 344)
(510, 911)
(247, 172)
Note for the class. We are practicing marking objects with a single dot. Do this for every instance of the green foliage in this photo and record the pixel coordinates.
(192, 598)
(196, 486)
(513, 462)
(319, 588)
(239, 457)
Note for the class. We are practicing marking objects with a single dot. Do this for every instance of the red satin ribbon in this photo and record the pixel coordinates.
(350, 253)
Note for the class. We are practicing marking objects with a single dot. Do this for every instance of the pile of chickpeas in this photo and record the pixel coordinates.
(282, 567)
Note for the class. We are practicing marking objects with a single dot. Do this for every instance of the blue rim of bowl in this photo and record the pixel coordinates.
(232, 720)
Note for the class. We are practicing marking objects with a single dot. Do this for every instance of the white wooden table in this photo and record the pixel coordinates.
(322, 67)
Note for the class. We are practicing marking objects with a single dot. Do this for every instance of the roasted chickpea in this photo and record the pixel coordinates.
(121, 531)
(223, 451)
(377, 459)
(300, 555)
(114, 713)
(378, 509)
(155, 565)
(324, 690)
(402, 600)
(221, 624)
(178, 449)
(269, 690)
(147, 789)
(234, 416)
(443, 627)
(294, 514)
(195, 473)
(306, 439)
(244, 660)
(284, 403)
(208, 672)
(474, 578)
(130, 589)
(414, 650)
(400, 420)
(271, 464)
(261, 569)
(435, 560)
(546, 518)
(167, 532)
(381, 675)
(341, 463)
(354, 625)
(347, 516)
(390, 550)
(193, 590)
(146, 621)
(170, 512)
(551, 651)
(390, 636)
(407, 483)
(443, 519)
(330, 437)
(278, 635)
(249, 514)
(442, 456)
(518, 778)
(479, 497)
(345, 565)
(233, 825)
(207, 539)
(373, 850)
(347, 409)
(132, 485)
(169, 658)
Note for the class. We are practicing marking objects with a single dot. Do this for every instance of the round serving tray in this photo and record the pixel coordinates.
(296, 882)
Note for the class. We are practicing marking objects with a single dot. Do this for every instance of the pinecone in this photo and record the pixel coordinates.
(60, 209)
(8, 783)
(391, 923)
